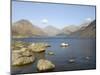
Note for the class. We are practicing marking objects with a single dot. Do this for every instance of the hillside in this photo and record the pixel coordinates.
(25, 28)
(69, 29)
(88, 31)
(51, 31)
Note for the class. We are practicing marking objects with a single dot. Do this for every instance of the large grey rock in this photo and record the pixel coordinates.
(45, 65)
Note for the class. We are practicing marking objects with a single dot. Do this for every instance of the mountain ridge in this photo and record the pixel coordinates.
(24, 27)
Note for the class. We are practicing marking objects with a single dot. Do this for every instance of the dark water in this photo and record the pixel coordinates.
(79, 49)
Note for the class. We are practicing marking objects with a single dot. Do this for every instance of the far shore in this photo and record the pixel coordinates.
(71, 37)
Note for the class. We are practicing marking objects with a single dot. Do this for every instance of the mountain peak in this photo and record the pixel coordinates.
(23, 22)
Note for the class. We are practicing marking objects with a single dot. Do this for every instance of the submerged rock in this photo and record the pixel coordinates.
(45, 65)
(22, 57)
(50, 53)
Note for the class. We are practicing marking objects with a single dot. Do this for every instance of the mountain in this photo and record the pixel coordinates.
(69, 29)
(26, 28)
(51, 30)
(73, 28)
(84, 25)
(88, 31)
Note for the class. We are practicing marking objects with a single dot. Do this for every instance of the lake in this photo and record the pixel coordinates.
(79, 49)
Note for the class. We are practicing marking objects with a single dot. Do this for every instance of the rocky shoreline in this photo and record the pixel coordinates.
(23, 54)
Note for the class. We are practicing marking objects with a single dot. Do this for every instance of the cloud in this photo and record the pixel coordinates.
(88, 19)
(45, 21)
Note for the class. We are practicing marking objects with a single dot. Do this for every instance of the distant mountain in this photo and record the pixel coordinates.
(51, 30)
(87, 31)
(84, 25)
(73, 30)
(69, 29)
(26, 28)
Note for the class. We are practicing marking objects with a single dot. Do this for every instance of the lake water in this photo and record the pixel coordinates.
(78, 49)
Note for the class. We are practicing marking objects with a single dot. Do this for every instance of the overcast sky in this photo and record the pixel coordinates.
(58, 15)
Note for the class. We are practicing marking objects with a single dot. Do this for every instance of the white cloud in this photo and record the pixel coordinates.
(89, 19)
(45, 21)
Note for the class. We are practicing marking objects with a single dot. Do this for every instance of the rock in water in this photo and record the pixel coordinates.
(22, 61)
(37, 47)
(50, 53)
(32, 45)
(23, 49)
(45, 65)
(22, 57)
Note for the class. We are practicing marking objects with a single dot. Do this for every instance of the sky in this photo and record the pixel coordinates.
(57, 15)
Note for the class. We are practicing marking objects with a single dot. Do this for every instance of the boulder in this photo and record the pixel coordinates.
(31, 45)
(45, 65)
(21, 57)
(37, 47)
(22, 61)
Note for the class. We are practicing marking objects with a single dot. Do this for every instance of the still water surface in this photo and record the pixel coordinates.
(78, 49)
